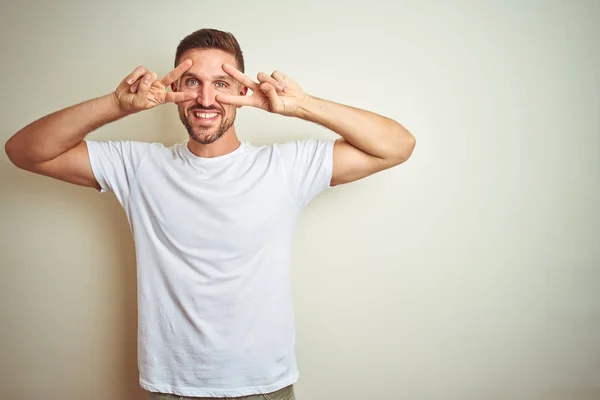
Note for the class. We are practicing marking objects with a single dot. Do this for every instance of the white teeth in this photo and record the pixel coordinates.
(205, 115)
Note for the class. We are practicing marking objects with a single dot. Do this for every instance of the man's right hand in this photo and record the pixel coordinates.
(141, 90)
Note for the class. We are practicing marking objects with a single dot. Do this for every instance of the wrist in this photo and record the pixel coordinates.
(115, 107)
(308, 108)
(314, 109)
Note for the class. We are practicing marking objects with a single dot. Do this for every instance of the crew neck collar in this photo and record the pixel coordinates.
(203, 160)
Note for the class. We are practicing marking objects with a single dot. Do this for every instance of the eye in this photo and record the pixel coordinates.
(221, 85)
(191, 82)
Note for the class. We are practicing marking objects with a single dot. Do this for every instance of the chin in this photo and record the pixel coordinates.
(205, 137)
(207, 134)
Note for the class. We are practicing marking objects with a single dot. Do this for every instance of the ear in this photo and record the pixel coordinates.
(173, 87)
(243, 92)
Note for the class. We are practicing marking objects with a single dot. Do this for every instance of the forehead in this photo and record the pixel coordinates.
(208, 61)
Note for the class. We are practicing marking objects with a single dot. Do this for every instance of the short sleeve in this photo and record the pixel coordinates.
(308, 167)
(115, 164)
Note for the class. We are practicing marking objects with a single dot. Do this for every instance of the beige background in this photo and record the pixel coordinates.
(470, 272)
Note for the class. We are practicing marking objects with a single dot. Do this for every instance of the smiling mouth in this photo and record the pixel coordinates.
(203, 116)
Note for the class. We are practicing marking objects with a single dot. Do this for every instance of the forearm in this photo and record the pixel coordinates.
(372, 133)
(54, 134)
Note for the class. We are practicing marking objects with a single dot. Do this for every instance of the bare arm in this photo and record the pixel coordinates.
(370, 142)
(53, 145)
(52, 135)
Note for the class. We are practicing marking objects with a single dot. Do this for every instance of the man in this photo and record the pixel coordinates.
(212, 217)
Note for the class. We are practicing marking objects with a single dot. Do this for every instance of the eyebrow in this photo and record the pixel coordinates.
(215, 78)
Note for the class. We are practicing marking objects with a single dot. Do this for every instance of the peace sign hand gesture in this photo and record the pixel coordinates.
(276, 93)
(141, 90)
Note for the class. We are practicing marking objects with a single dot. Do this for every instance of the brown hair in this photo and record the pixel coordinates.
(211, 39)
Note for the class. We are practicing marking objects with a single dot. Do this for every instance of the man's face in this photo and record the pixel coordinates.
(205, 119)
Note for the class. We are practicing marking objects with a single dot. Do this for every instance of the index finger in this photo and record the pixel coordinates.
(176, 73)
(240, 77)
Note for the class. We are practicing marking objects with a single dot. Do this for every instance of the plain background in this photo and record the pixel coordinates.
(469, 272)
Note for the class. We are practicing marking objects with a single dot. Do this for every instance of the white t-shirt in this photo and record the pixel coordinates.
(213, 239)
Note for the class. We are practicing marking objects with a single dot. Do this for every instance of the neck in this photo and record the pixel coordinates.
(226, 144)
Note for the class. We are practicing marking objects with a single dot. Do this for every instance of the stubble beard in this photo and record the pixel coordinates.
(204, 135)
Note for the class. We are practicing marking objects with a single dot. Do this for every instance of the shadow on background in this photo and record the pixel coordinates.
(69, 296)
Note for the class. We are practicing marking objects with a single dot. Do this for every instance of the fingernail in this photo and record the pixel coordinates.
(130, 81)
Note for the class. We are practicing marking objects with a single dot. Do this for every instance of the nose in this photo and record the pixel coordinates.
(206, 96)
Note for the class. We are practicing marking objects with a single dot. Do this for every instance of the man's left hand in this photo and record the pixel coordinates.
(276, 93)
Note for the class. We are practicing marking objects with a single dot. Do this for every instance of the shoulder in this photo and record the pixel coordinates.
(304, 147)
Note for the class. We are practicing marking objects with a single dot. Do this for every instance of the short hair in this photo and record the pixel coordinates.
(211, 39)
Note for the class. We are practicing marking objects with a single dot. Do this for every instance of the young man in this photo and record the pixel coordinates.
(212, 217)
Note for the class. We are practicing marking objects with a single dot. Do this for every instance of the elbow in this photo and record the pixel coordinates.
(14, 154)
(404, 147)
(411, 142)
(9, 150)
